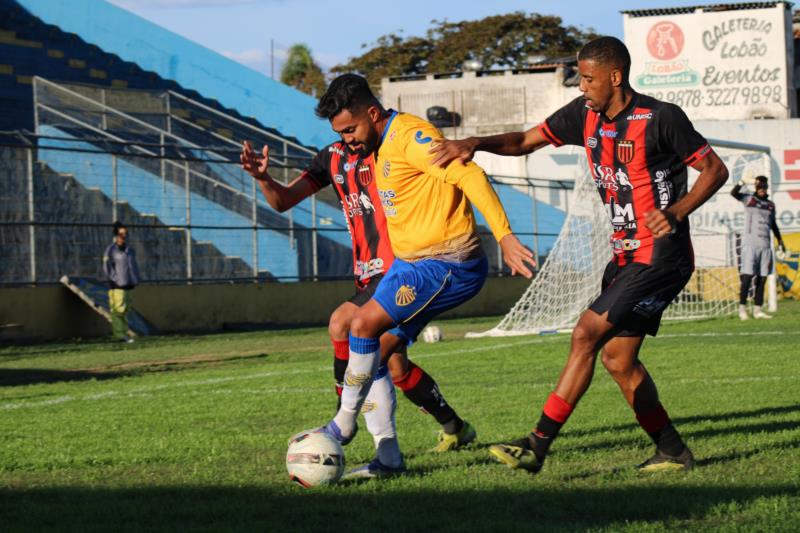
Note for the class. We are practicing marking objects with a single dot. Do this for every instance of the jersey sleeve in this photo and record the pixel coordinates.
(318, 171)
(677, 134)
(565, 126)
(470, 178)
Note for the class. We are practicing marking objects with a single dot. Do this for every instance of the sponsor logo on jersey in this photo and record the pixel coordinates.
(625, 245)
(606, 177)
(387, 168)
(368, 269)
(366, 202)
(621, 215)
(405, 295)
(387, 197)
(625, 151)
(662, 173)
(368, 406)
(664, 191)
(420, 139)
(336, 150)
(611, 134)
(364, 175)
(392, 135)
(591, 142)
(640, 116)
(338, 178)
(349, 166)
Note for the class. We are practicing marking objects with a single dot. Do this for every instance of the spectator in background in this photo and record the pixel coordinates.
(756, 259)
(119, 263)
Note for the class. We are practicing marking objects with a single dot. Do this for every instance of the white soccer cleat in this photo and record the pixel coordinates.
(758, 313)
(743, 314)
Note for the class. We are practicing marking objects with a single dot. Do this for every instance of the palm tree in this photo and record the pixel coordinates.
(302, 72)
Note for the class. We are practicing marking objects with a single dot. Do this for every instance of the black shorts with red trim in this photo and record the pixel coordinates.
(364, 294)
(635, 295)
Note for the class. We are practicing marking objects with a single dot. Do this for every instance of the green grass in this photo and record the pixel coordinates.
(189, 433)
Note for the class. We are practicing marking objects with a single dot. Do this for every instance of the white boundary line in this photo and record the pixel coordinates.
(148, 390)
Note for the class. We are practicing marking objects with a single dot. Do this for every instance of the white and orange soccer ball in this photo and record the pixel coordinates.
(432, 334)
(314, 458)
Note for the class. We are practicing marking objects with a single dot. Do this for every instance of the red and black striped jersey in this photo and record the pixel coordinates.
(353, 179)
(638, 161)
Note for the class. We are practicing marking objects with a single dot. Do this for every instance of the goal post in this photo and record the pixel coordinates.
(569, 279)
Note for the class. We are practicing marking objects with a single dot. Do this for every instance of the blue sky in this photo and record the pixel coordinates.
(242, 29)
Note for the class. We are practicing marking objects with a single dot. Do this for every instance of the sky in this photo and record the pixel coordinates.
(244, 29)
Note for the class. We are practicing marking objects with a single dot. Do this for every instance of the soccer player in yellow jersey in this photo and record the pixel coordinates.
(439, 261)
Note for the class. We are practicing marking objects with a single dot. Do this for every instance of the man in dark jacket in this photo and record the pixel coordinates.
(119, 264)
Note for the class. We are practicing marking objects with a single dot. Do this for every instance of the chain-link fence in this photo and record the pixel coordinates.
(192, 215)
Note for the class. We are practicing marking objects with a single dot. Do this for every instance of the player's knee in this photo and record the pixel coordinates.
(338, 326)
(584, 338)
(361, 326)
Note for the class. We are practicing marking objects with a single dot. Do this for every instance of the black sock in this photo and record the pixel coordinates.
(668, 440)
(542, 437)
(339, 367)
(744, 288)
(420, 388)
(758, 298)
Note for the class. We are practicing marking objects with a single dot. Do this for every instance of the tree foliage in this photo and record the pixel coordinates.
(302, 72)
(497, 41)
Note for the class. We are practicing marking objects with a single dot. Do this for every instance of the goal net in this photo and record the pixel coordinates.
(569, 279)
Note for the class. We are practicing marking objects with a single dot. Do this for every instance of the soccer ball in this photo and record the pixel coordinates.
(432, 334)
(314, 458)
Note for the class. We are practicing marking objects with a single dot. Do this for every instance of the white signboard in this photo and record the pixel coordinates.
(715, 64)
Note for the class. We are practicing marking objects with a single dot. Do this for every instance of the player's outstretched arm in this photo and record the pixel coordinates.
(279, 196)
(713, 175)
(517, 256)
(736, 192)
(513, 143)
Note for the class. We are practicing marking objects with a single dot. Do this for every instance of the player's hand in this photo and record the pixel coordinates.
(516, 255)
(254, 164)
(660, 222)
(446, 151)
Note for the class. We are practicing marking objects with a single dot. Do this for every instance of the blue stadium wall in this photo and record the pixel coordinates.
(92, 41)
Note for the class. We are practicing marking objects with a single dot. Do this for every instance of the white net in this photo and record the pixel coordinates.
(569, 279)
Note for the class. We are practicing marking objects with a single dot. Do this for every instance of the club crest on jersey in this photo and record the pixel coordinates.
(405, 295)
(364, 175)
(387, 168)
(625, 151)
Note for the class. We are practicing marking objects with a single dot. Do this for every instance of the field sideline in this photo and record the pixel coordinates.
(189, 433)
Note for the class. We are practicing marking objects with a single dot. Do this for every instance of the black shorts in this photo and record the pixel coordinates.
(635, 295)
(362, 296)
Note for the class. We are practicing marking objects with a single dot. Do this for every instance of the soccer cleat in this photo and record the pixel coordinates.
(333, 430)
(517, 454)
(758, 313)
(449, 441)
(743, 314)
(375, 469)
(662, 462)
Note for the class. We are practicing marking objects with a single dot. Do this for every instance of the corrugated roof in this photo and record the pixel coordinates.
(706, 8)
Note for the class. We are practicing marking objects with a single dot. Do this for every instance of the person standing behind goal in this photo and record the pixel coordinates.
(756, 259)
(119, 264)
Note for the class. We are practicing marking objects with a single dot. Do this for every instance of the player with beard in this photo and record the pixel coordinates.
(638, 149)
(439, 263)
(352, 178)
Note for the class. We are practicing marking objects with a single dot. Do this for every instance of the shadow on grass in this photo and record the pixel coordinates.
(10, 377)
(716, 417)
(347, 509)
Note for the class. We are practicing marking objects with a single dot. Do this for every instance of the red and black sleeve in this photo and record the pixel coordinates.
(565, 126)
(318, 171)
(678, 135)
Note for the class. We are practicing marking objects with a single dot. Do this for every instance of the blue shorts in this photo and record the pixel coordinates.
(413, 293)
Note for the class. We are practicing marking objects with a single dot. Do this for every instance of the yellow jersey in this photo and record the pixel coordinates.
(428, 211)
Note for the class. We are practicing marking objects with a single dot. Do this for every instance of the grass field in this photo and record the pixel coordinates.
(189, 433)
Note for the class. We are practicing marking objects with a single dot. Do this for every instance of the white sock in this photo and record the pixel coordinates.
(756, 309)
(379, 414)
(742, 308)
(361, 369)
